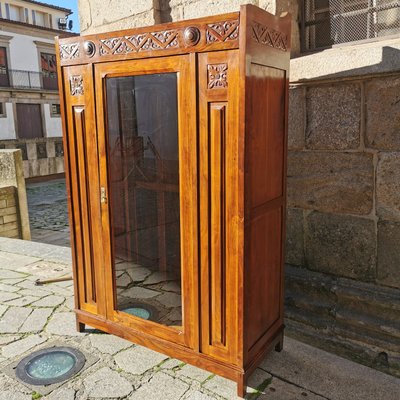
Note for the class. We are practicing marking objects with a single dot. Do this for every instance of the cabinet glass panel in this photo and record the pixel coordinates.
(142, 124)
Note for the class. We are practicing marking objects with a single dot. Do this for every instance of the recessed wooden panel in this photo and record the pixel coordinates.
(267, 133)
(83, 192)
(218, 195)
(217, 245)
(264, 276)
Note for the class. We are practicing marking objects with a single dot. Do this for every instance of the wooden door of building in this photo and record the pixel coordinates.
(148, 176)
(29, 121)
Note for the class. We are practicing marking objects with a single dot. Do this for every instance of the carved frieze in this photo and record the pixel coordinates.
(222, 31)
(69, 51)
(269, 37)
(141, 42)
(76, 85)
(217, 76)
(179, 38)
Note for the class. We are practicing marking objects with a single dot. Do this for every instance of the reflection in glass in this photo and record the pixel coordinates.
(142, 127)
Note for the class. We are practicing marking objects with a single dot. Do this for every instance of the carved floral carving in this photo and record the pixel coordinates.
(140, 42)
(222, 31)
(217, 76)
(69, 51)
(76, 85)
(268, 36)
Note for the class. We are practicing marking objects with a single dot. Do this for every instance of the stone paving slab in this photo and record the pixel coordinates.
(21, 346)
(49, 301)
(36, 320)
(39, 316)
(13, 319)
(109, 344)
(15, 262)
(127, 360)
(160, 386)
(43, 251)
(281, 390)
(106, 383)
(320, 372)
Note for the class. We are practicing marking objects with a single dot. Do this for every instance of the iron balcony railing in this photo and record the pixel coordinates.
(19, 79)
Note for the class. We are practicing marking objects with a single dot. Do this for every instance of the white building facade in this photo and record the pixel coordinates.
(29, 102)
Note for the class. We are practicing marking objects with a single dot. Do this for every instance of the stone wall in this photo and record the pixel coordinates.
(9, 221)
(344, 214)
(344, 178)
(41, 156)
(14, 217)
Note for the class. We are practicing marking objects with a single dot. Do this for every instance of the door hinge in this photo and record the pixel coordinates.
(103, 195)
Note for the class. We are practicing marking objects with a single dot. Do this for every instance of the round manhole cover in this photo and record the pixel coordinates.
(48, 366)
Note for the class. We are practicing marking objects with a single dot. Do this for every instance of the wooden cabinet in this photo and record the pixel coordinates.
(175, 151)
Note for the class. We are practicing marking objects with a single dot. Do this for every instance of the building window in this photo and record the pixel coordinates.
(26, 11)
(3, 112)
(330, 22)
(49, 71)
(55, 110)
(7, 11)
(29, 121)
(14, 13)
(4, 78)
(33, 17)
(40, 18)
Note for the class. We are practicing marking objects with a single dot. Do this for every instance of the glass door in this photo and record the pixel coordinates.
(146, 117)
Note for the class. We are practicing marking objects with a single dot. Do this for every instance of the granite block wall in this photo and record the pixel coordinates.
(9, 220)
(343, 217)
(344, 178)
(40, 157)
(14, 217)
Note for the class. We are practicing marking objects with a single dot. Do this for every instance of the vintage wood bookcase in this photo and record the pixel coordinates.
(175, 153)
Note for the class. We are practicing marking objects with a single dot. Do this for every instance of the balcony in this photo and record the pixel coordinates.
(19, 79)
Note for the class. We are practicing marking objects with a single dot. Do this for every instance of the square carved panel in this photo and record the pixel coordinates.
(217, 76)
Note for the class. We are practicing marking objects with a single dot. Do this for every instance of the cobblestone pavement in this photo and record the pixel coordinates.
(34, 317)
(48, 212)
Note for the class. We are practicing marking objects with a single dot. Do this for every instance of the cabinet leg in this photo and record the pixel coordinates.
(279, 345)
(241, 386)
(80, 326)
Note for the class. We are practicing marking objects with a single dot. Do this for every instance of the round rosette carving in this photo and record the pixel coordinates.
(89, 48)
(191, 35)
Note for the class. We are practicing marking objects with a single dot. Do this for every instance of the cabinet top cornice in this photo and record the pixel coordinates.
(204, 34)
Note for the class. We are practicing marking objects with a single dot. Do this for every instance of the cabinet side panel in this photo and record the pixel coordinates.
(265, 191)
(263, 292)
(266, 134)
